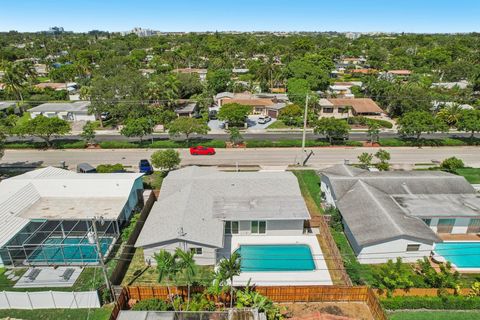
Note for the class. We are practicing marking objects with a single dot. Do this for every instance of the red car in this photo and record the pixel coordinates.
(199, 150)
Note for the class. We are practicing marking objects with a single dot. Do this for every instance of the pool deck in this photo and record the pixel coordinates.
(459, 237)
(48, 277)
(319, 276)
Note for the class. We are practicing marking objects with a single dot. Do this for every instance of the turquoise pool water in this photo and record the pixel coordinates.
(276, 258)
(68, 251)
(462, 254)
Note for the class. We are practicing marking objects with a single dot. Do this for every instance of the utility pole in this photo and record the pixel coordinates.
(304, 128)
(100, 257)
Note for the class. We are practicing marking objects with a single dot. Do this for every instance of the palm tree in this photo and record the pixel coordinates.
(14, 80)
(167, 268)
(228, 268)
(187, 264)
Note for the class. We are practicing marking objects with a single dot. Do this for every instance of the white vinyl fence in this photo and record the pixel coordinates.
(49, 300)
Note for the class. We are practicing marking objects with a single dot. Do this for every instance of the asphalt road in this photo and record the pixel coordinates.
(358, 136)
(323, 157)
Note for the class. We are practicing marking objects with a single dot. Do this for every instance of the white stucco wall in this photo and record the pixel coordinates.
(83, 117)
(207, 258)
(327, 192)
(381, 253)
(460, 227)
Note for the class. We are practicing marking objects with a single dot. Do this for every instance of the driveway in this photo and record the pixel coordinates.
(253, 125)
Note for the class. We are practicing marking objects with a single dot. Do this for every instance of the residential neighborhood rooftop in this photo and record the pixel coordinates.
(196, 200)
(78, 106)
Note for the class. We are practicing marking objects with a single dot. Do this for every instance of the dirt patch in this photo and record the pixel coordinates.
(351, 310)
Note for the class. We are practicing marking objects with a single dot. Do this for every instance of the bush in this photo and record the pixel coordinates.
(350, 143)
(393, 142)
(117, 145)
(452, 164)
(110, 168)
(285, 143)
(152, 305)
(439, 303)
(364, 122)
(69, 145)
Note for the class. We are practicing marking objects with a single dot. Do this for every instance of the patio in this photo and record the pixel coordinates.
(48, 277)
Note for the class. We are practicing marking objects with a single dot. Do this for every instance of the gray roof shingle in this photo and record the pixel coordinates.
(195, 201)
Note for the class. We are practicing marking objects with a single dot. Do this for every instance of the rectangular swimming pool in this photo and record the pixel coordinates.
(464, 255)
(70, 250)
(276, 258)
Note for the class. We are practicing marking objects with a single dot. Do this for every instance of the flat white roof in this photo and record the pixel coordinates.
(57, 194)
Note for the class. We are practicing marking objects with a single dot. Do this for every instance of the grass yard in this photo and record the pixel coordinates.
(309, 182)
(54, 314)
(435, 315)
(153, 181)
(279, 124)
(471, 174)
(139, 273)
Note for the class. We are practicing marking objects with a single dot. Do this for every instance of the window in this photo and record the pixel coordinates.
(428, 222)
(474, 226)
(231, 227)
(327, 110)
(258, 227)
(413, 247)
(445, 225)
(197, 251)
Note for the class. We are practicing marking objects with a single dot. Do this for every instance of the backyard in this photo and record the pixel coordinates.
(54, 314)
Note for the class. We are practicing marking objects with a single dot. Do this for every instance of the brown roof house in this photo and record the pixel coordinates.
(343, 108)
(264, 106)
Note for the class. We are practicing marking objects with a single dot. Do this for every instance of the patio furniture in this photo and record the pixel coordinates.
(67, 274)
(33, 274)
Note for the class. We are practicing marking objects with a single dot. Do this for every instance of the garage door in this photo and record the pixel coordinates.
(272, 113)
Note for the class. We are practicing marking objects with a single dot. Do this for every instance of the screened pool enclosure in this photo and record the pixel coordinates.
(53, 243)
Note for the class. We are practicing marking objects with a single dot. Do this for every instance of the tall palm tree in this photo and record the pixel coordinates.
(167, 268)
(187, 264)
(14, 80)
(229, 268)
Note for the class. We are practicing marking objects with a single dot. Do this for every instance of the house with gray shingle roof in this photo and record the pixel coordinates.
(399, 213)
(201, 209)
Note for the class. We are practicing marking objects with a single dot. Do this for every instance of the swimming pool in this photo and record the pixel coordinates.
(276, 258)
(70, 250)
(464, 255)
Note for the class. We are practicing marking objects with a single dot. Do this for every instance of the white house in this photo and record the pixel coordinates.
(214, 214)
(399, 213)
(349, 107)
(71, 111)
(47, 215)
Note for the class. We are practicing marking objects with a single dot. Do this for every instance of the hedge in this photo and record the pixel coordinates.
(161, 144)
(439, 303)
(364, 122)
(447, 142)
(285, 143)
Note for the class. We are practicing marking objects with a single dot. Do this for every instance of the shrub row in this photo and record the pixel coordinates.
(447, 142)
(364, 121)
(440, 303)
(285, 143)
(42, 145)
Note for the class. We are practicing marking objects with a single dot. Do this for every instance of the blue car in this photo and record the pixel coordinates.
(145, 166)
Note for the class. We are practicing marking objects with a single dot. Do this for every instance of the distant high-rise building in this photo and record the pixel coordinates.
(141, 32)
(56, 30)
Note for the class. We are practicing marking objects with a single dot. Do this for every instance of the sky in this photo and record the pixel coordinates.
(420, 16)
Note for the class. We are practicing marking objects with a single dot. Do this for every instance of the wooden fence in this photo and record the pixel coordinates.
(129, 249)
(333, 253)
(276, 294)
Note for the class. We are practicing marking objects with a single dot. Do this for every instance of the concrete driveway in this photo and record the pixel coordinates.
(216, 126)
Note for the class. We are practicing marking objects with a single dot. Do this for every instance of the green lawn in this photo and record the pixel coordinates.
(90, 278)
(279, 124)
(153, 181)
(54, 314)
(309, 182)
(435, 315)
(471, 174)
